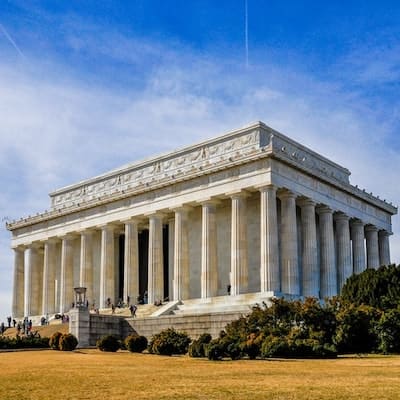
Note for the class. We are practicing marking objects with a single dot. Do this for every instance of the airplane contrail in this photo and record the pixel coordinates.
(10, 39)
(246, 32)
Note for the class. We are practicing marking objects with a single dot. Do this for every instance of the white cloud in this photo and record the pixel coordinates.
(58, 129)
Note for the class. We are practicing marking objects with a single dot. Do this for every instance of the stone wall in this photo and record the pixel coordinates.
(193, 325)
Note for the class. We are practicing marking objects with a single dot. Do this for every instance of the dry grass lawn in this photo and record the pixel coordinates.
(90, 374)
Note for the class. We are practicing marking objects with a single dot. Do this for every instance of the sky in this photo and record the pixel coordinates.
(88, 86)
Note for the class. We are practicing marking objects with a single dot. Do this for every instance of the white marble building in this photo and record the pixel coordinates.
(251, 209)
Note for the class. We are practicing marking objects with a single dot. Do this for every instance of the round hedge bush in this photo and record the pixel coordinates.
(109, 343)
(136, 343)
(169, 342)
(54, 341)
(68, 342)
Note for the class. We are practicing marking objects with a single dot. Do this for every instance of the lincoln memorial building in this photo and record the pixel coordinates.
(249, 213)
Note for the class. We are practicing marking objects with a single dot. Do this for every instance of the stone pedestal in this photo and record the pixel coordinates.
(79, 325)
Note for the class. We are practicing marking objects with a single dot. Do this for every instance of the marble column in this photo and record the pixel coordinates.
(107, 266)
(33, 305)
(67, 274)
(311, 273)
(328, 265)
(384, 248)
(209, 259)
(239, 264)
(269, 269)
(86, 264)
(156, 259)
(343, 244)
(131, 261)
(358, 246)
(18, 283)
(290, 277)
(371, 236)
(49, 278)
(181, 255)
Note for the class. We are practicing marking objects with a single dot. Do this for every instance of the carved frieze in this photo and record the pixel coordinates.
(185, 163)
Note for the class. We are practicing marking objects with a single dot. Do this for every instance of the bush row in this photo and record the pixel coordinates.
(24, 342)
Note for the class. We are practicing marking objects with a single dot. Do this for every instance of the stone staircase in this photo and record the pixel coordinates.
(143, 311)
(197, 316)
(242, 303)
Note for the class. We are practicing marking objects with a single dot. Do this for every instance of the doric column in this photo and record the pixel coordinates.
(131, 261)
(239, 265)
(328, 265)
(107, 266)
(209, 260)
(384, 248)
(67, 273)
(311, 275)
(181, 255)
(86, 264)
(343, 244)
(371, 236)
(358, 245)
(289, 252)
(19, 283)
(33, 305)
(49, 278)
(269, 268)
(156, 259)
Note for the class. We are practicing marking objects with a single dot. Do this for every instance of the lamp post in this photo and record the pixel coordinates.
(80, 297)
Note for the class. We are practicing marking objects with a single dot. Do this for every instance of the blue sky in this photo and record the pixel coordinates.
(86, 86)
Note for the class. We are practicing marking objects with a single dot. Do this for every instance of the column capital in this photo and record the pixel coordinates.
(384, 233)
(286, 194)
(356, 222)
(371, 228)
(84, 231)
(68, 236)
(137, 219)
(238, 194)
(340, 216)
(209, 202)
(324, 209)
(20, 247)
(269, 186)
(182, 208)
(305, 201)
(108, 227)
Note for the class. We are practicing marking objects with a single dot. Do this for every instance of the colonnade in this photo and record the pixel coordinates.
(333, 245)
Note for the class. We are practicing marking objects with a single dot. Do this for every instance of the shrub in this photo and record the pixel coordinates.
(215, 350)
(273, 346)
(197, 348)
(136, 343)
(54, 341)
(109, 343)
(356, 331)
(169, 342)
(388, 329)
(68, 342)
(252, 346)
